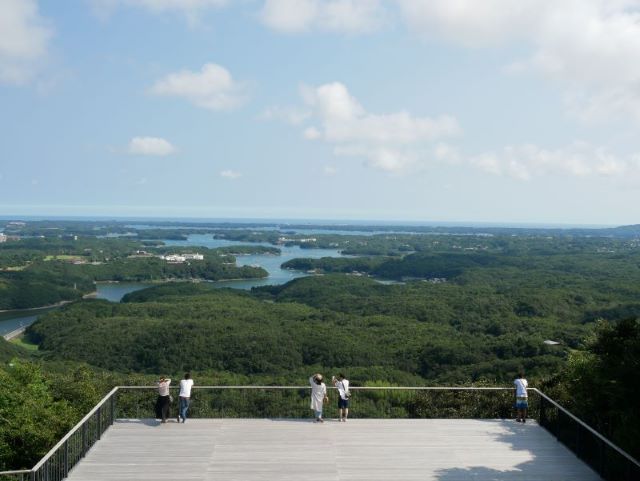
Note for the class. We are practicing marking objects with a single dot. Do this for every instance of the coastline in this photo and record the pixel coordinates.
(94, 294)
(50, 306)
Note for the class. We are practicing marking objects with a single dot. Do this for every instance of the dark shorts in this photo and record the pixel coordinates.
(343, 403)
(521, 403)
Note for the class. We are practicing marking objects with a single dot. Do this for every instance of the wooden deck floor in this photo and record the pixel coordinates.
(359, 450)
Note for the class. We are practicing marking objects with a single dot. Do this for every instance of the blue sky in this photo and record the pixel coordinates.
(456, 110)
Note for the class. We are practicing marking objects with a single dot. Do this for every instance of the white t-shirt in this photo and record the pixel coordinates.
(521, 387)
(185, 387)
(343, 387)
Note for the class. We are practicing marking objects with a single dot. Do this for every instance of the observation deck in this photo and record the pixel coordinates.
(358, 450)
(251, 433)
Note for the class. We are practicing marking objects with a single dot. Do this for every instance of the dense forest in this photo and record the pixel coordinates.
(462, 309)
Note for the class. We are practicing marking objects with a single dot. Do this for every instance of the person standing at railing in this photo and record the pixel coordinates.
(185, 395)
(164, 399)
(342, 384)
(522, 403)
(318, 396)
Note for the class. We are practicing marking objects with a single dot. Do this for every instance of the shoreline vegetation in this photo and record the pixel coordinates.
(39, 308)
(66, 268)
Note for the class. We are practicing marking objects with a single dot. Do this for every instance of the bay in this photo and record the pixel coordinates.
(115, 291)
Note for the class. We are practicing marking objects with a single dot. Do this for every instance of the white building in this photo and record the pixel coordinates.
(178, 258)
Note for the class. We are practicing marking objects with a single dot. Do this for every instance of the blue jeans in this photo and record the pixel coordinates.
(184, 407)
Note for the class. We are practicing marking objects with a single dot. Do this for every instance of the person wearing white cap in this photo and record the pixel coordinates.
(318, 396)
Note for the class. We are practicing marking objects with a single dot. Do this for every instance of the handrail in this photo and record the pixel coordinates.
(75, 428)
(351, 388)
(587, 427)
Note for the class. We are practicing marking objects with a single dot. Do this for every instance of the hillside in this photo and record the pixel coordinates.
(328, 322)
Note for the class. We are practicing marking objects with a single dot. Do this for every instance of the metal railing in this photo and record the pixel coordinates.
(57, 463)
(19, 475)
(611, 462)
(607, 459)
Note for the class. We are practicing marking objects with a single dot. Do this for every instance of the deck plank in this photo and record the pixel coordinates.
(359, 450)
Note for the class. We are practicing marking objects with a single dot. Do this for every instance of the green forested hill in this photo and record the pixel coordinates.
(332, 322)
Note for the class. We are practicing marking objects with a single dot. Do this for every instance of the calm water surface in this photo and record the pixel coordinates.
(12, 320)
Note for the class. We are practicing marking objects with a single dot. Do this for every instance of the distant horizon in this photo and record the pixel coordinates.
(310, 221)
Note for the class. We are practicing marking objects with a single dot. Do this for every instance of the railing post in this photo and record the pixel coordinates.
(85, 439)
(99, 415)
(65, 460)
(112, 409)
(578, 440)
(543, 413)
(601, 457)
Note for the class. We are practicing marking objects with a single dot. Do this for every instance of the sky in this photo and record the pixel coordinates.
(399, 110)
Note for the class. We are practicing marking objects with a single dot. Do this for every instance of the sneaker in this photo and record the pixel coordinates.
(524, 421)
(320, 420)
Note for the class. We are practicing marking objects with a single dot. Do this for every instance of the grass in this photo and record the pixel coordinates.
(20, 341)
(16, 268)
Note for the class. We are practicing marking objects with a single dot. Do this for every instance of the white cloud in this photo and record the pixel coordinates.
(311, 133)
(150, 146)
(591, 47)
(473, 23)
(230, 174)
(345, 120)
(24, 40)
(580, 159)
(392, 142)
(446, 153)
(349, 16)
(212, 88)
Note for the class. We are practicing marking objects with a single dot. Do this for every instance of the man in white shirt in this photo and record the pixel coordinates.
(342, 384)
(185, 394)
(521, 398)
